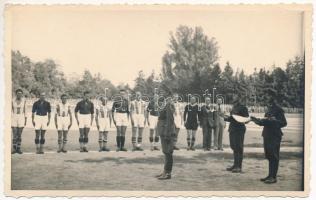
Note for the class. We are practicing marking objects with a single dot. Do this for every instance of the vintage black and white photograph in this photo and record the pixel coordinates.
(154, 98)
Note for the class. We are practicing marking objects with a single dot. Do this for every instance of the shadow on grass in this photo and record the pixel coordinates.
(198, 158)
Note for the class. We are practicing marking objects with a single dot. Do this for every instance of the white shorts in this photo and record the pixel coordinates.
(139, 120)
(104, 124)
(17, 120)
(63, 123)
(120, 119)
(177, 121)
(153, 121)
(41, 122)
(84, 120)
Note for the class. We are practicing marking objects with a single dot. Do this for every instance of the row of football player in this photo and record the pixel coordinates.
(138, 112)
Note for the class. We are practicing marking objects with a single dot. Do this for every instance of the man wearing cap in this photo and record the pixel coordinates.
(85, 108)
(236, 133)
(41, 113)
(120, 116)
(272, 123)
(18, 120)
(166, 131)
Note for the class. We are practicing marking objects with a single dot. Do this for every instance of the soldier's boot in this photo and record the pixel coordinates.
(165, 177)
(230, 168)
(161, 174)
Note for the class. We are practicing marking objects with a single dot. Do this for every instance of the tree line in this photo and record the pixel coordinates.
(189, 66)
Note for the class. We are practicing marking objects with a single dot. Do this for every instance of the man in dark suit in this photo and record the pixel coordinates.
(272, 123)
(207, 123)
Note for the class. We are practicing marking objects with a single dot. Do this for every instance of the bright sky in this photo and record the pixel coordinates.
(120, 43)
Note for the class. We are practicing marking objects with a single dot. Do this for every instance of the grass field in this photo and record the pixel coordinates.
(197, 170)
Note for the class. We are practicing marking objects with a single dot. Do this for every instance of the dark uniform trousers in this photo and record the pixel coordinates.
(167, 149)
(272, 150)
(207, 134)
(167, 144)
(236, 139)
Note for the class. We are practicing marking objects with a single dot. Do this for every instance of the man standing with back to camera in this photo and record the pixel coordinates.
(272, 123)
(86, 114)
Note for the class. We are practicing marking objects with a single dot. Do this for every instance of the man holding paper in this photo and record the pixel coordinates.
(239, 116)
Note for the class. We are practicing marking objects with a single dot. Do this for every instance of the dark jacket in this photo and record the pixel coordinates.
(272, 122)
(166, 127)
(235, 126)
(206, 116)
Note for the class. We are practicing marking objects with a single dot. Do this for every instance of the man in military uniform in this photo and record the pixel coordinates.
(120, 116)
(236, 133)
(85, 108)
(272, 123)
(166, 131)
